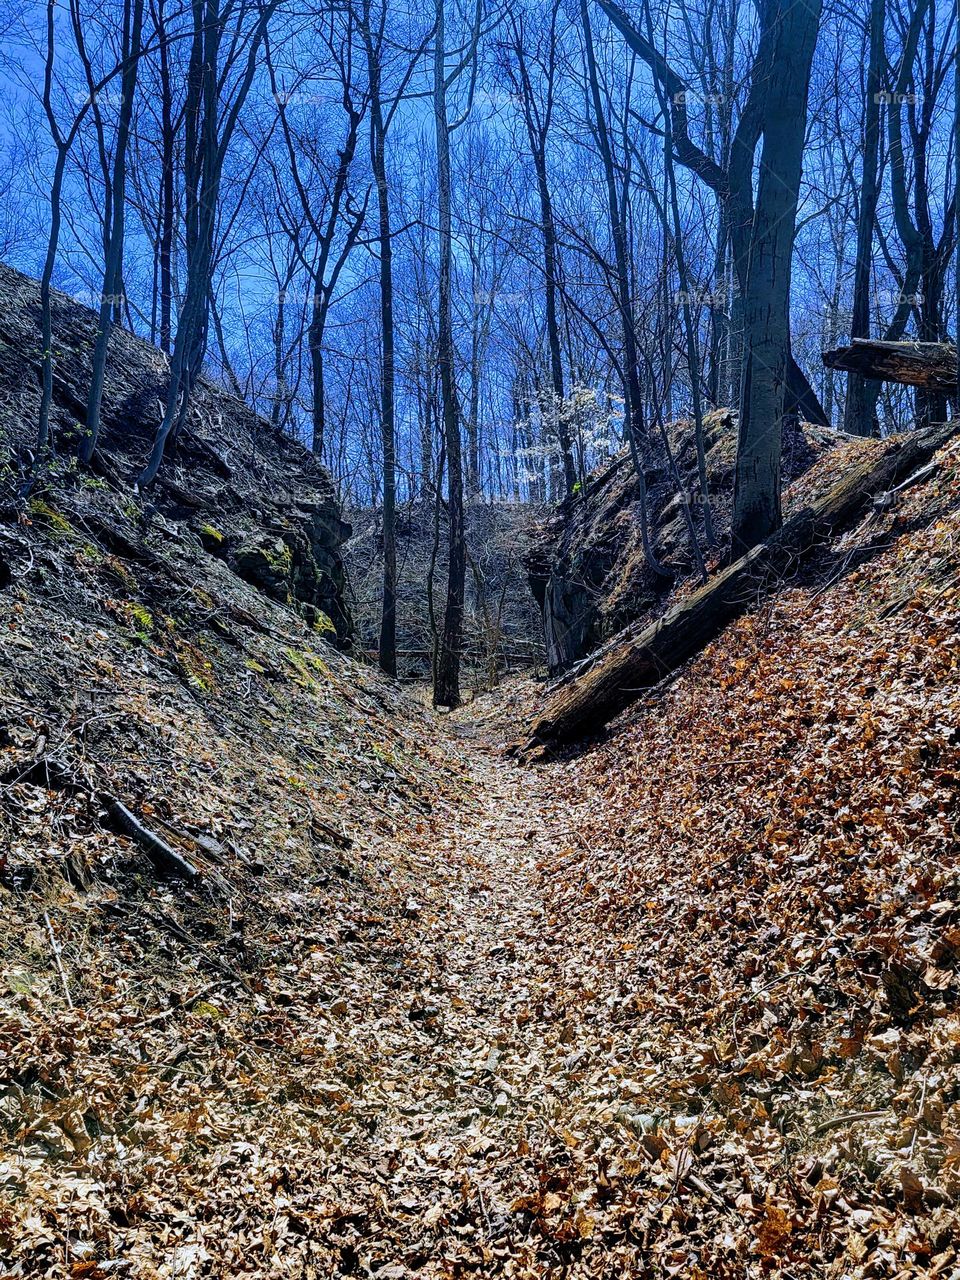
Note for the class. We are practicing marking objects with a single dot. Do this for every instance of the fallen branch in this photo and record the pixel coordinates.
(609, 682)
(848, 1117)
(165, 859)
(915, 364)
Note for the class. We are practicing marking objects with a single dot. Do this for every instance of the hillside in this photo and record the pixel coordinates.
(233, 486)
(174, 1049)
(586, 563)
(759, 900)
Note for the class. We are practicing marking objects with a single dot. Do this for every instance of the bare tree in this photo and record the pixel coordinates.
(861, 398)
(733, 183)
(114, 229)
(538, 108)
(632, 378)
(212, 112)
(446, 690)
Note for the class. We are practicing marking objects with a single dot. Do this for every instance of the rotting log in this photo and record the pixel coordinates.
(605, 684)
(932, 365)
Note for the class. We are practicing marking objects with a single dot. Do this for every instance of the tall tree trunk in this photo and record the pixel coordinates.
(167, 200)
(44, 438)
(207, 140)
(693, 357)
(388, 440)
(558, 408)
(113, 266)
(632, 385)
(317, 389)
(44, 442)
(858, 411)
(733, 184)
(790, 31)
(426, 434)
(446, 689)
(537, 131)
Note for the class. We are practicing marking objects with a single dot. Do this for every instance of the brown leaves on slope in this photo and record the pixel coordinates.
(764, 888)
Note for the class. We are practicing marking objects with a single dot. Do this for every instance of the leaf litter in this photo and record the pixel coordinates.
(683, 1003)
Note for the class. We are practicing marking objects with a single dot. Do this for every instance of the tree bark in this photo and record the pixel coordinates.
(208, 134)
(446, 689)
(388, 615)
(632, 385)
(537, 129)
(858, 411)
(931, 365)
(167, 201)
(114, 230)
(732, 184)
(790, 35)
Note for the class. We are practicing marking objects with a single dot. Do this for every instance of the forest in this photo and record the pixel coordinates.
(471, 253)
(480, 639)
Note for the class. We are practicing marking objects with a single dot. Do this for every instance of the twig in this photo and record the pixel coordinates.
(916, 1127)
(56, 956)
(849, 1117)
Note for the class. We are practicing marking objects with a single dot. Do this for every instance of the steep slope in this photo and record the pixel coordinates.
(760, 903)
(257, 499)
(176, 1051)
(586, 565)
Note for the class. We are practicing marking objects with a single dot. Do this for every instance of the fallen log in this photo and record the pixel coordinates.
(166, 860)
(916, 364)
(605, 685)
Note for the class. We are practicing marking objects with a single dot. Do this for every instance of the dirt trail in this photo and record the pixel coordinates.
(498, 1134)
(472, 1065)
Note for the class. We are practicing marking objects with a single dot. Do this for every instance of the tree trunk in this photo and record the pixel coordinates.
(207, 140)
(790, 31)
(388, 615)
(931, 365)
(446, 689)
(167, 191)
(537, 140)
(733, 185)
(317, 391)
(632, 386)
(113, 265)
(858, 412)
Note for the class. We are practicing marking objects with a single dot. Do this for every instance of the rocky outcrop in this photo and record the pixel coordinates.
(252, 497)
(297, 559)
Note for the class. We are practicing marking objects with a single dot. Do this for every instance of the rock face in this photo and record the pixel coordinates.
(251, 496)
(587, 569)
(298, 559)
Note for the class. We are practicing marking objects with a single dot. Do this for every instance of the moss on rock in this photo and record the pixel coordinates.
(266, 563)
(49, 517)
(212, 540)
